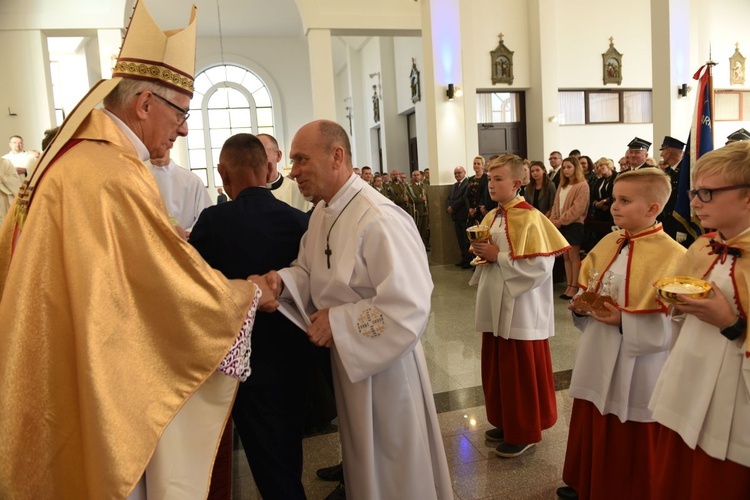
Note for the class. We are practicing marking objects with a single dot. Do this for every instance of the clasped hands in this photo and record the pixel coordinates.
(614, 318)
(485, 250)
(319, 332)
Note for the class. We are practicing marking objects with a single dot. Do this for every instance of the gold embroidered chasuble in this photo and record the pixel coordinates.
(654, 252)
(110, 323)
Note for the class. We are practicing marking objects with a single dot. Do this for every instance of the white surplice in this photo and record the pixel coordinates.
(514, 297)
(701, 393)
(378, 291)
(617, 373)
(183, 192)
(289, 193)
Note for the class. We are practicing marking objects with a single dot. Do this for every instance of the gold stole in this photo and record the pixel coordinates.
(653, 254)
(529, 232)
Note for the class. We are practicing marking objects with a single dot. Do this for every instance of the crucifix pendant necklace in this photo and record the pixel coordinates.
(328, 251)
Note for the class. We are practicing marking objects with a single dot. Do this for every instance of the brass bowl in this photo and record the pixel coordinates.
(478, 233)
(670, 287)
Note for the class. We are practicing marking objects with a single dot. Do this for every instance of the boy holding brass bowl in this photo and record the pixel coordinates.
(702, 397)
(515, 312)
(612, 437)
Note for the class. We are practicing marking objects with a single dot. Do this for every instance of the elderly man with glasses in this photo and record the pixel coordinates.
(121, 347)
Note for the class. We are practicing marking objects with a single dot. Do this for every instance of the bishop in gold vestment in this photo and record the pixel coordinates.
(113, 326)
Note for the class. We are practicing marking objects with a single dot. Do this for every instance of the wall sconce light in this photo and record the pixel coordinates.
(683, 90)
(453, 92)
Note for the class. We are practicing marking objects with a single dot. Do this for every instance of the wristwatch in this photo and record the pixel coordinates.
(736, 329)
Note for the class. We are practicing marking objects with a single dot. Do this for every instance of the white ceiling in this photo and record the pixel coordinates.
(253, 18)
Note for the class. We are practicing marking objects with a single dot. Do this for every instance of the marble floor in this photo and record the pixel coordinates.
(453, 352)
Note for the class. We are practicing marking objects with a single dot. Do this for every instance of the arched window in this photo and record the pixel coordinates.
(227, 100)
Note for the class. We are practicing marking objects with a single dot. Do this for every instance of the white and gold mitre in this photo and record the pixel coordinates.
(149, 53)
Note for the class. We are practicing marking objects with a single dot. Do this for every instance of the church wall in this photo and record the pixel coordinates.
(283, 64)
(407, 48)
(486, 19)
(580, 44)
(369, 64)
(60, 14)
(23, 90)
(360, 14)
(722, 24)
(342, 91)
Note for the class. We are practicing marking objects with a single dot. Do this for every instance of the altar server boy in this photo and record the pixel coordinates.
(702, 398)
(612, 437)
(515, 312)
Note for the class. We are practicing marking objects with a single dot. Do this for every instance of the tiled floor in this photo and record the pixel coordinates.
(453, 356)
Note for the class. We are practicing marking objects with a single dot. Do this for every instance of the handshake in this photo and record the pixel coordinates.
(270, 286)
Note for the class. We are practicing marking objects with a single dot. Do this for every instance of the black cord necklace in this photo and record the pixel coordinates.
(328, 251)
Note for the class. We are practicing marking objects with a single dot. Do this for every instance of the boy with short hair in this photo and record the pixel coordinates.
(612, 437)
(515, 312)
(702, 397)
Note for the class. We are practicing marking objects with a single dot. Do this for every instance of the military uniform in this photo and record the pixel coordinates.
(397, 194)
(418, 195)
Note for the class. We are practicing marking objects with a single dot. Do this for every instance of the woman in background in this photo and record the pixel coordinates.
(568, 213)
(477, 186)
(540, 192)
(601, 194)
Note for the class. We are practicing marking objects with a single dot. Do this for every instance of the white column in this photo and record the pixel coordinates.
(670, 55)
(441, 42)
(321, 74)
(109, 48)
(360, 143)
(393, 126)
(542, 129)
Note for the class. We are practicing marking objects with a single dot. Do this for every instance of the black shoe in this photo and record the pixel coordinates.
(338, 494)
(567, 493)
(494, 435)
(332, 473)
(566, 297)
(506, 450)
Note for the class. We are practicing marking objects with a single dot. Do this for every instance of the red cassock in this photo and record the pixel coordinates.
(519, 388)
(680, 472)
(606, 458)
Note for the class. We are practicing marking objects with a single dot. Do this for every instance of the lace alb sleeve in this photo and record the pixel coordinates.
(236, 363)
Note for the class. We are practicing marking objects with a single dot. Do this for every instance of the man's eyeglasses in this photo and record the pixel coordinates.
(184, 112)
(706, 195)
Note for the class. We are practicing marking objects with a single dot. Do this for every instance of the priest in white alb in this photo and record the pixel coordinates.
(363, 268)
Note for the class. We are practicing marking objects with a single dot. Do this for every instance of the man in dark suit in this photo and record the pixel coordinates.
(555, 162)
(253, 235)
(221, 198)
(459, 211)
(671, 156)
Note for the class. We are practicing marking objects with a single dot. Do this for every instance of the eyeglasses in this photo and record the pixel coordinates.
(184, 112)
(706, 195)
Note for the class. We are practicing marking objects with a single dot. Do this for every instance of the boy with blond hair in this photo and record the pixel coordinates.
(612, 437)
(702, 397)
(516, 314)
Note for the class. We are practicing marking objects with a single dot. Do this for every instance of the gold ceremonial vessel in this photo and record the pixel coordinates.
(670, 287)
(478, 234)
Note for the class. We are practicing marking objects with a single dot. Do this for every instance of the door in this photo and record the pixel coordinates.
(502, 123)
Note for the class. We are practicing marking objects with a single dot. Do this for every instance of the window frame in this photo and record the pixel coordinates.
(211, 174)
(620, 92)
(743, 94)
